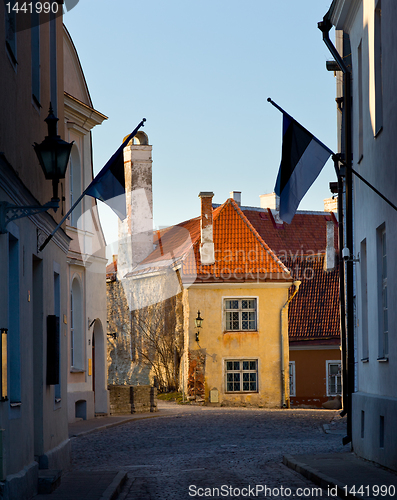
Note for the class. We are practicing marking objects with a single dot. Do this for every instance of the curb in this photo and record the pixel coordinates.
(315, 476)
(114, 488)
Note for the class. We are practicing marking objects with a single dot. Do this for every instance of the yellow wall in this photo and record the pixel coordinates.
(263, 345)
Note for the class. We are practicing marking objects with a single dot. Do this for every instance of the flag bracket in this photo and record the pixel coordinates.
(337, 158)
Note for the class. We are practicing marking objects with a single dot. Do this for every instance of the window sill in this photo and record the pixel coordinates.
(365, 360)
(383, 360)
(242, 392)
(240, 331)
(16, 404)
(76, 370)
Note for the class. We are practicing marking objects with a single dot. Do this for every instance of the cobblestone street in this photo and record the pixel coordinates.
(194, 447)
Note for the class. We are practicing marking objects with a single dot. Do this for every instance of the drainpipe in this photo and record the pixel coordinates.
(282, 365)
(325, 26)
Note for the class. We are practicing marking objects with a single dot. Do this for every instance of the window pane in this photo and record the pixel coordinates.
(230, 377)
(252, 386)
(246, 386)
(236, 387)
(232, 321)
(252, 377)
(246, 377)
(245, 365)
(333, 369)
(244, 304)
(252, 365)
(229, 386)
(236, 366)
(229, 365)
(232, 304)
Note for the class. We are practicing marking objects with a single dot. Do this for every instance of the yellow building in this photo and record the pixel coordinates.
(219, 269)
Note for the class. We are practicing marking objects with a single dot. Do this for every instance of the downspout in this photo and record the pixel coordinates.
(342, 287)
(325, 26)
(282, 364)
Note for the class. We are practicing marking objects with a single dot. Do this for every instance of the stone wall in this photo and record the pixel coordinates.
(125, 399)
(147, 346)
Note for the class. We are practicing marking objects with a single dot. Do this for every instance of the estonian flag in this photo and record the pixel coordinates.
(303, 157)
(109, 185)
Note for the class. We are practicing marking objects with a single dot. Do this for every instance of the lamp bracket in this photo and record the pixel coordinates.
(10, 212)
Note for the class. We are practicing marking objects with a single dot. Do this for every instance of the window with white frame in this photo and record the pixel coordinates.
(378, 67)
(334, 378)
(76, 326)
(382, 295)
(241, 375)
(240, 314)
(292, 383)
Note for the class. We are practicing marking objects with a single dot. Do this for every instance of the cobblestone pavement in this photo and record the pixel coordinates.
(231, 449)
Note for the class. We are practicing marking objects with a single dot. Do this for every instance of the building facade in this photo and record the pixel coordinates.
(34, 302)
(370, 28)
(86, 259)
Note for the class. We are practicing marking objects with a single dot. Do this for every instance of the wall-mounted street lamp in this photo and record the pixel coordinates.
(4, 366)
(53, 155)
(199, 323)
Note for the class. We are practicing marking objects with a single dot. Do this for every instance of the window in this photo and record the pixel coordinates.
(11, 34)
(35, 49)
(378, 68)
(75, 186)
(334, 378)
(240, 314)
(360, 102)
(241, 375)
(57, 312)
(382, 288)
(76, 326)
(292, 383)
(364, 300)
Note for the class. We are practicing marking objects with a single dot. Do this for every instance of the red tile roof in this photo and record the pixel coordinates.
(240, 252)
(305, 235)
(313, 314)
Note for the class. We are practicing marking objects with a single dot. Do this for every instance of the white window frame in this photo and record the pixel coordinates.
(383, 319)
(241, 370)
(328, 364)
(240, 310)
(292, 379)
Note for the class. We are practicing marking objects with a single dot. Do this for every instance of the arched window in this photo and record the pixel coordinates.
(76, 326)
(75, 186)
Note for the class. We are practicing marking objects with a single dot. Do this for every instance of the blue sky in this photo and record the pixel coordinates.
(200, 72)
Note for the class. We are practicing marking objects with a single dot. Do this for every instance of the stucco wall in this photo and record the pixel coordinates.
(311, 375)
(217, 345)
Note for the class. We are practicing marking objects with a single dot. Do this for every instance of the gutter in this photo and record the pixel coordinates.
(284, 403)
(346, 172)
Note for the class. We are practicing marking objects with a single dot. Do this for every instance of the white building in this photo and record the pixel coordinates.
(33, 292)
(86, 259)
(370, 25)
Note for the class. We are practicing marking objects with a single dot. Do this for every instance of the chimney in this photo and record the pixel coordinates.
(136, 231)
(331, 204)
(329, 262)
(236, 196)
(207, 254)
(272, 201)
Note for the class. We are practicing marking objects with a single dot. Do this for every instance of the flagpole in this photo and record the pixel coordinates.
(279, 108)
(49, 237)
